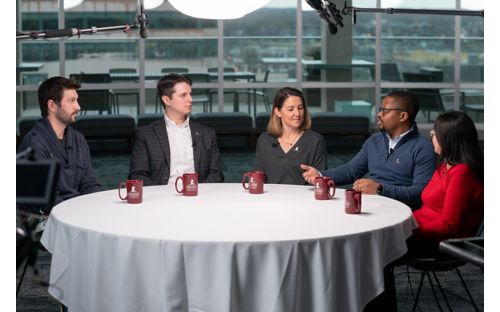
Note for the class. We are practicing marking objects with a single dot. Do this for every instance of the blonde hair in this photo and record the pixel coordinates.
(274, 126)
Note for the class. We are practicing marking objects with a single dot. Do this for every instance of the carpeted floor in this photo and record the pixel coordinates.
(113, 168)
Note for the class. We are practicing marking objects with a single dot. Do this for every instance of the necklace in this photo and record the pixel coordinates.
(291, 142)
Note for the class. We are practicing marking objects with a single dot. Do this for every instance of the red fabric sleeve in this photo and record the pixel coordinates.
(461, 209)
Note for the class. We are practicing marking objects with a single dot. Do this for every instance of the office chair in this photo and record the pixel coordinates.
(441, 263)
(226, 91)
(174, 70)
(256, 92)
(118, 93)
(94, 100)
(225, 69)
(430, 100)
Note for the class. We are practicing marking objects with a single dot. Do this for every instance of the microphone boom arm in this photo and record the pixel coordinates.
(58, 33)
(141, 22)
(328, 11)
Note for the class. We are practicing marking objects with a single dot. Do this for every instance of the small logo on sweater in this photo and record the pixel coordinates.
(297, 149)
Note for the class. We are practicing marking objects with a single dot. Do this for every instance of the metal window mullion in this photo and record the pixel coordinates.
(457, 60)
(299, 42)
(62, 47)
(141, 109)
(378, 59)
(220, 65)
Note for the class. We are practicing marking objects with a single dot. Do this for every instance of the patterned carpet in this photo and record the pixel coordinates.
(112, 168)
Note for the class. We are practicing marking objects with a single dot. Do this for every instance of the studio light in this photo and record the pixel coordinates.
(69, 4)
(217, 9)
(152, 4)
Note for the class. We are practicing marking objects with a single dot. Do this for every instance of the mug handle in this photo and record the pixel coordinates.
(331, 185)
(243, 181)
(176, 185)
(119, 188)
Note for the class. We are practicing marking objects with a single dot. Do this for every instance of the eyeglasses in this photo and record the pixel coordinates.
(384, 110)
(432, 133)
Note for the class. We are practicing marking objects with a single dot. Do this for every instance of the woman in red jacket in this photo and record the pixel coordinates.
(453, 200)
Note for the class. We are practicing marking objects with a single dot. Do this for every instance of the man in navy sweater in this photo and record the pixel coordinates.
(397, 163)
(52, 138)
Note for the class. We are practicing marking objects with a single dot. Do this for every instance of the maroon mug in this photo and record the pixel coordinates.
(134, 191)
(324, 188)
(189, 184)
(255, 182)
(352, 201)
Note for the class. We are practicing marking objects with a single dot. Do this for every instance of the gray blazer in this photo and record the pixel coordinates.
(150, 160)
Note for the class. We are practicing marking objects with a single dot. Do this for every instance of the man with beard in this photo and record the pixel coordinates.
(52, 138)
(396, 163)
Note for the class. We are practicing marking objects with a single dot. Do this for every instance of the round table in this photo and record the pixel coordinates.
(223, 250)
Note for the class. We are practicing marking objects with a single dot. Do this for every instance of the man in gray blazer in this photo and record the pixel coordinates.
(174, 145)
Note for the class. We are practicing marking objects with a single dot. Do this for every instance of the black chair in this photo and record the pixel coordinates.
(341, 129)
(175, 70)
(118, 93)
(225, 69)
(430, 100)
(226, 91)
(440, 263)
(255, 93)
(233, 129)
(146, 119)
(107, 132)
(94, 100)
(25, 124)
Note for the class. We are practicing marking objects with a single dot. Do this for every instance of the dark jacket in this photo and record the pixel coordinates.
(76, 176)
(151, 154)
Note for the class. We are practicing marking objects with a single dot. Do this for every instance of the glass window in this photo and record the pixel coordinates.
(472, 56)
(264, 40)
(105, 50)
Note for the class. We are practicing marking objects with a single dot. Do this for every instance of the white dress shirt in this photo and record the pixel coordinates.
(181, 148)
(395, 141)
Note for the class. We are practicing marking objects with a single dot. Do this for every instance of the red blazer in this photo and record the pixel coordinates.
(453, 204)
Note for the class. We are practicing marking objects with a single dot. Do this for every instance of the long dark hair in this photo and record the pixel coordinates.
(457, 136)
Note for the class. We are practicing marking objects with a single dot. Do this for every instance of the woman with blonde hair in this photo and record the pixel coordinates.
(289, 142)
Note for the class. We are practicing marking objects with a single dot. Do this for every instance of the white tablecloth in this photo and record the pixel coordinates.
(223, 250)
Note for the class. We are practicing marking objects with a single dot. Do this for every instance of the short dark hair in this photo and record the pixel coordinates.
(408, 102)
(274, 127)
(458, 138)
(167, 83)
(53, 89)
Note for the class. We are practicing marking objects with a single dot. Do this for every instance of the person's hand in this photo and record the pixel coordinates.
(366, 186)
(309, 174)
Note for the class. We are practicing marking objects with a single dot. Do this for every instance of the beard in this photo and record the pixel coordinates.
(65, 117)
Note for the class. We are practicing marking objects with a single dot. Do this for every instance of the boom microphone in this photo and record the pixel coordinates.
(143, 23)
(328, 12)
